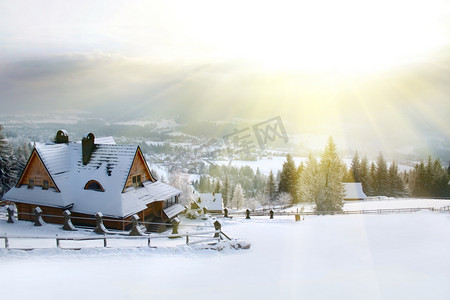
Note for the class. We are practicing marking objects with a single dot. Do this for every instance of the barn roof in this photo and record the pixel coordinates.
(109, 164)
(354, 191)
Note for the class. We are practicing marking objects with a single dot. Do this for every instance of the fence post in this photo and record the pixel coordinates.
(68, 222)
(105, 243)
(100, 227)
(136, 230)
(225, 212)
(57, 242)
(271, 214)
(187, 239)
(175, 223)
(6, 242)
(149, 242)
(217, 227)
(247, 214)
(38, 216)
(10, 210)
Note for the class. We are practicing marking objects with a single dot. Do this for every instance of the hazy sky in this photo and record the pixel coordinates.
(380, 66)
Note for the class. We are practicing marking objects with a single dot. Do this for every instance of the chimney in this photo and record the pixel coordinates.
(87, 146)
(61, 137)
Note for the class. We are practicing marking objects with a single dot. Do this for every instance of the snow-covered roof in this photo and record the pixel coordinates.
(212, 201)
(174, 210)
(354, 191)
(109, 164)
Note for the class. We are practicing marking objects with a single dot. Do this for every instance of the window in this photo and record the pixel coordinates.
(137, 181)
(30, 183)
(94, 186)
(45, 184)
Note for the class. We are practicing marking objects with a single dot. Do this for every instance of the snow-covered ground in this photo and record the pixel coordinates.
(396, 256)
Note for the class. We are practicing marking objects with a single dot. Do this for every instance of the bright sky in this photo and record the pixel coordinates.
(377, 64)
(349, 36)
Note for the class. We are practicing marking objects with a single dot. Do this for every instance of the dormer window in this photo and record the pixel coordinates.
(137, 181)
(45, 184)
(94, 186)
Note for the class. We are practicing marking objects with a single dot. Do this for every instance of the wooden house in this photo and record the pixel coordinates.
(96, 175)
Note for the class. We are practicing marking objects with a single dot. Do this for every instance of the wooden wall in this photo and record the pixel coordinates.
(138, 168)
(35, 170)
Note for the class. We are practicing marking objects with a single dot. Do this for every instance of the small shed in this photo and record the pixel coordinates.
(212, 201)
(354, 191)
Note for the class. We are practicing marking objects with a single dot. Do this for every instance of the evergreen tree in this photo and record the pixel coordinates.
(396, 187)
(355, 169)
(381, 181)
(225, 194)
(365, 176)
(331, 171)
(217, 188)
(288, 178)
(7, 174)
(271, 187)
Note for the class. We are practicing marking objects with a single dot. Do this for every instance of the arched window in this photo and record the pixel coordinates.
(94, 185)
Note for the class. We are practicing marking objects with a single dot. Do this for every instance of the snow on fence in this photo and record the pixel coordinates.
(201, 237)
(136, 232)
(297, 214)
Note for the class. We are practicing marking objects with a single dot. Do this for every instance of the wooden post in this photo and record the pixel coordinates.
(149, 242)
(105, 242)
(217, 227)
(57, 242)
(271, 214)
(38, 216)
(10, 210)
(175, 223)
(136, 230)
(187, 239)
(247, 214)
(100, 227)
(6, 242)
(68, 222)
(297, 217)
(225, 212)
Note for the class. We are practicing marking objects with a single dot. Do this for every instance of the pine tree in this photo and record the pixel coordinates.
(355, 169)
(396, 187)
(7, 174)
(288, 178)
(381, 181)
(331, 171)
(217, 188)
(225, 194)
(271, 187)
(365, 176)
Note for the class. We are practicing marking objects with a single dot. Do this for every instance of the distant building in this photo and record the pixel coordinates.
(354, 191)
(212, 202)
(96, 175)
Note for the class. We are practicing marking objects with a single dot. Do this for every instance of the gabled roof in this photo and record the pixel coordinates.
(213, 202)
(109, 164)
(354, 191)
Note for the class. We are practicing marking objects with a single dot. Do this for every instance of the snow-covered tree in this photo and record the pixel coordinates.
(238, 197)
(284, 199)
(181, 181)
(309, 181)
(251, 203)
(7, 174)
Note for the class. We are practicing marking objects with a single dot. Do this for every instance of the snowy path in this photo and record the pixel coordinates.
(400, 256)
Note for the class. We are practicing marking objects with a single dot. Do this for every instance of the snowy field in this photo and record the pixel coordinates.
(395, 256)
